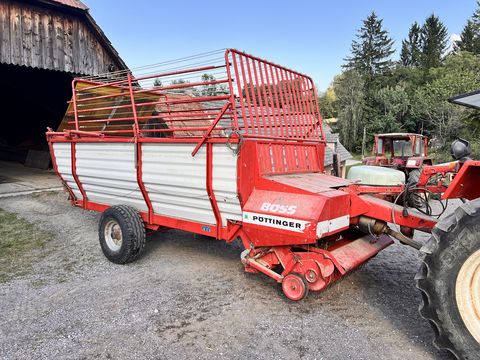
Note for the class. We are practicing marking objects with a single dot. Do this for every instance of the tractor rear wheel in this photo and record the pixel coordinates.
(122, 234)
(449, 280)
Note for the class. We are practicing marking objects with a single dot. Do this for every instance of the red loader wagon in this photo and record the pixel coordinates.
(231, 146)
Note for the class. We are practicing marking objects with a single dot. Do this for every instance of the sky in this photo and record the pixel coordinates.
(312, 37)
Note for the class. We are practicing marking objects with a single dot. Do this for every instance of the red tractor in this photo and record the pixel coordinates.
(403, 151)
(239, 154)
(406, 152)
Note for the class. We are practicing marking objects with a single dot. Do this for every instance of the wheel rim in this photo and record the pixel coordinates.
(113, 235)
(293, 287)
(467, 293)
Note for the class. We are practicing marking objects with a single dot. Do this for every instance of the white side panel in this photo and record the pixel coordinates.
(108, 175)
(225, 183)
(63, 157)
(176, 181)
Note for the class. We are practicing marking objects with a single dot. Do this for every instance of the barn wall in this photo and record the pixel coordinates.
(51, 39)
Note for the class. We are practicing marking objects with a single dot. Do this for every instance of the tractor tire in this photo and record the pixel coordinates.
(414, 198)
(449, 280)
(122, 234)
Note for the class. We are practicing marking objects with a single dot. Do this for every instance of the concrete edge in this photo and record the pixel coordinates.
(28, 192)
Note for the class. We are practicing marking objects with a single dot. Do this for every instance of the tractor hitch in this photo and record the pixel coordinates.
(376, 228)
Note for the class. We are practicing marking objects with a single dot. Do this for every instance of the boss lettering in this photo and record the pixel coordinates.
(278, 208)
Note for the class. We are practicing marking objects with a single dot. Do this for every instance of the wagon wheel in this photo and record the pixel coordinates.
(122, 234)
(449, 279)
(294, 287)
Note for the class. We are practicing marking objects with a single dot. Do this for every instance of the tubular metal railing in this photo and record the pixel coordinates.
(207, 95)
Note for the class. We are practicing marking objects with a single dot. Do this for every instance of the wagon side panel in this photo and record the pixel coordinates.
(176, 181)
(63, 157)
(108, 175)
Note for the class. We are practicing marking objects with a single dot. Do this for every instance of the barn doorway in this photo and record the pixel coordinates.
(31, 100)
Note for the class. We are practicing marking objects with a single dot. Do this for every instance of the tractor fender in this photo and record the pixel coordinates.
(465, 183)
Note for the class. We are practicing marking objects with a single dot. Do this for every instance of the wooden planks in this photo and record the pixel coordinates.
(5, 52)
(46, 38)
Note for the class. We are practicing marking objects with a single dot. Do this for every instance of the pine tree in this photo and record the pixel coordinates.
(411, 47)
(371, 52)
(476, 17)
(468, 38)
(434, 38)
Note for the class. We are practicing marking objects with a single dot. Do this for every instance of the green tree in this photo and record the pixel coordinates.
(212, 89)
(327, 102)
(434, 38)
(157, 82)
(475, 19)
(412, 47)
(349, 90)
(393, 105)
(413, 95)
(372, 50)
(468, 39)
(470, 36)
(445, 121)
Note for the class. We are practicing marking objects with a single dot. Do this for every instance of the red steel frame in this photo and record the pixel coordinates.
(275, 104)
(284, 108)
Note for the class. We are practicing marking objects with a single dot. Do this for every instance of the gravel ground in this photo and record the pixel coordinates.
(188, 297)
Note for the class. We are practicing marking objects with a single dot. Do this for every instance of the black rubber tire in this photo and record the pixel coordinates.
(414, 199)
(133, 234)
(453, 240)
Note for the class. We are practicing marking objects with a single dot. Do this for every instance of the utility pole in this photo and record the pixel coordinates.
(363, 141)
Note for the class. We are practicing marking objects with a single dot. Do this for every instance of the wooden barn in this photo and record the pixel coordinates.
(43, 45)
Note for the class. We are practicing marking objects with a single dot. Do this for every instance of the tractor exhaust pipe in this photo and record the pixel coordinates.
(378, 227)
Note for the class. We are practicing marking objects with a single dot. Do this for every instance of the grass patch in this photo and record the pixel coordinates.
(21, 244)
(359, 156)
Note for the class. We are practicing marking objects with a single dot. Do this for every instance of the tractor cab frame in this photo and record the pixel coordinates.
(402, 151)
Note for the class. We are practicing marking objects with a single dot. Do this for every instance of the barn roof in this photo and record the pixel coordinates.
(331, 138)
(55, 35)
(71, 3)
